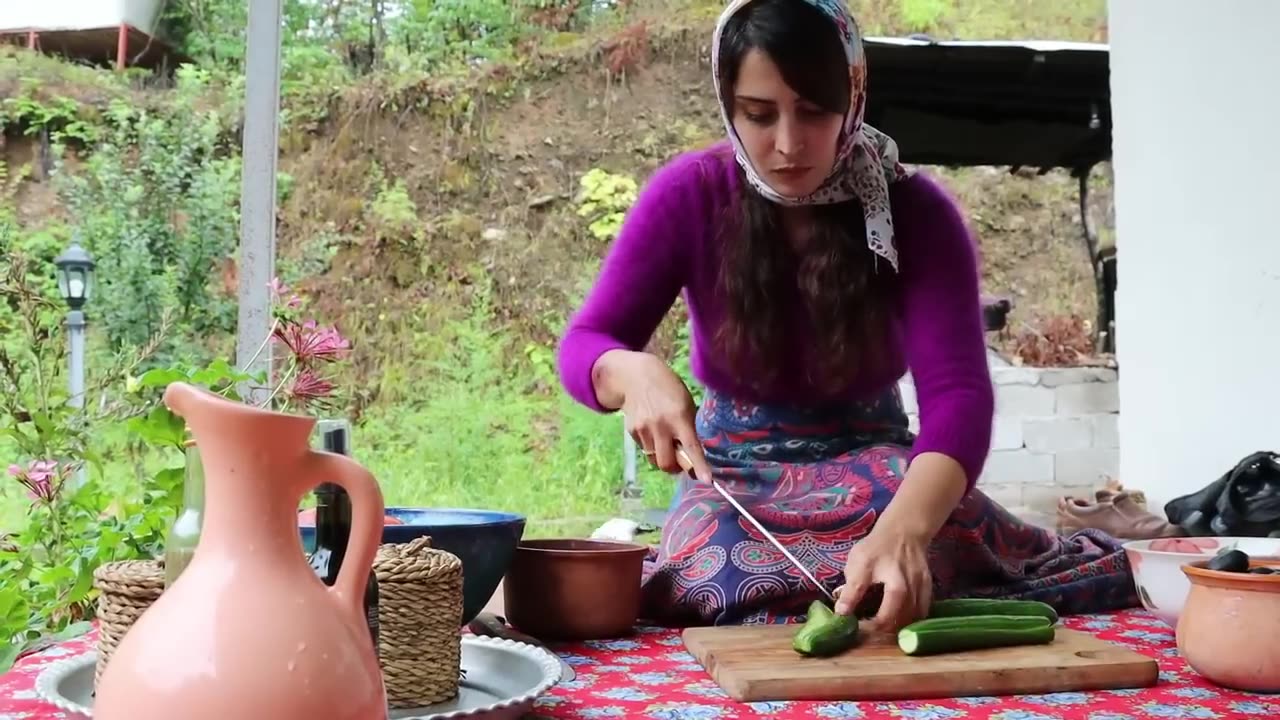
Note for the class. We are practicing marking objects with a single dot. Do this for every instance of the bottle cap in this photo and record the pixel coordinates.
(335, 436)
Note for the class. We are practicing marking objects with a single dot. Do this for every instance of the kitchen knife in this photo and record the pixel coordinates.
(687, 463)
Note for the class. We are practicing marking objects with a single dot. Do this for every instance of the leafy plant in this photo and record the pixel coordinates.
(156, 205)
(605, 198)
(61, 117)
(71, 528)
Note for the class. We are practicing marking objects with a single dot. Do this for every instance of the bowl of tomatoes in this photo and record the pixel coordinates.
(1157, 566)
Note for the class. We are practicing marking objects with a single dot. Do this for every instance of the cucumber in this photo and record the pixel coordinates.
(957, 634)
(825, 633)
(966, 607)
(997, 622)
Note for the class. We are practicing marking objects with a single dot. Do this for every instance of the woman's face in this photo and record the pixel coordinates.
(790, 141)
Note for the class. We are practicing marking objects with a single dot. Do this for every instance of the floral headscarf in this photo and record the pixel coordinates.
(866, 159)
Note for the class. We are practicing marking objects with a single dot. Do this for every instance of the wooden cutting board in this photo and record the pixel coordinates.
(755, 663)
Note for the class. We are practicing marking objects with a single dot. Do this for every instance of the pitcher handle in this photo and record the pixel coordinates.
(367, 512)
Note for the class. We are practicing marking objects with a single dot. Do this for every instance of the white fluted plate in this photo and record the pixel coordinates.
(503, 679)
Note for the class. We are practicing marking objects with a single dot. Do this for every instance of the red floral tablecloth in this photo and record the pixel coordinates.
(651, 676)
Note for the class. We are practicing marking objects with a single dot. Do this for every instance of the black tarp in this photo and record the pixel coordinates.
(1042, 105)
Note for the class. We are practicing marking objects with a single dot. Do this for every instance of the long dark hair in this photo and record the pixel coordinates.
(844, 296)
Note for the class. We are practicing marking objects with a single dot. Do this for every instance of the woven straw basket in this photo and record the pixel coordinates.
(419, 615)
(127, 588)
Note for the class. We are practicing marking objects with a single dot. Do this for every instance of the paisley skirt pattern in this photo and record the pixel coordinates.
(818, 480)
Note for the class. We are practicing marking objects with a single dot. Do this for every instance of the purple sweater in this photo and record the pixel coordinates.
(669, 244)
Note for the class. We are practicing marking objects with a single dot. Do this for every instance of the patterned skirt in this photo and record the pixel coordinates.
(818, 479)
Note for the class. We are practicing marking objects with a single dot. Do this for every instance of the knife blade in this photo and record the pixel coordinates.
(687, 463)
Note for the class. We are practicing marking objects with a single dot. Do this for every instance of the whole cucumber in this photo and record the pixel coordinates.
(966, 607)
(976, 622)
(917, 641)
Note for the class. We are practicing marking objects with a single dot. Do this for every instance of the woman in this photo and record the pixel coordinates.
(816, 270)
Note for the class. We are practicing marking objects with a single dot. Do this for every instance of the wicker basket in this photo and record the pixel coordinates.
(127, 588)
(419, 614)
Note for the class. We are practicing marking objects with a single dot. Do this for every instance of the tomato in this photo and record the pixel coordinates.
(1197, 546)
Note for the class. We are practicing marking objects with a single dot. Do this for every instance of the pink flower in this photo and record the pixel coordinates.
(40, 490)
(308, 386)
(310, 343)
(41, 470)
(42, 478)
(282, 295)
(329, 344)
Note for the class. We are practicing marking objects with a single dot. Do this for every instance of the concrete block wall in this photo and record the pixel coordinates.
(1055, 433)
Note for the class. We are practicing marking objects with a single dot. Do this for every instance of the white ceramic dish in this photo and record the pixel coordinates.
(1158, 573)
(503, 679)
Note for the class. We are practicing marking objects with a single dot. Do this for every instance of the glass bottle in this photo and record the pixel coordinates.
(333, 524)
(180, 544)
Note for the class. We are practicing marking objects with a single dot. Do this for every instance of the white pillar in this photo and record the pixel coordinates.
(1196, 109)
(258, 186)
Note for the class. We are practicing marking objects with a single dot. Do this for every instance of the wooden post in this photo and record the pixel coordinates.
(122, 47)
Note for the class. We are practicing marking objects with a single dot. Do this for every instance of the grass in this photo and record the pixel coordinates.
(475, 436)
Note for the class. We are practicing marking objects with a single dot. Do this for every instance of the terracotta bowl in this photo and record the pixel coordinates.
(573, 589)
(1229, 631)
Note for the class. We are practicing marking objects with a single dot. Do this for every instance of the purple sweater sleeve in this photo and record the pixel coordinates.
(639, 279)
(943, 330)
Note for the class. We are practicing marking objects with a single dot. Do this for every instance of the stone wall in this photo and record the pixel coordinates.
(1055, 434)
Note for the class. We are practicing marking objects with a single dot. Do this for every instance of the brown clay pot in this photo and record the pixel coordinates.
(570, 589)
(1229, 630)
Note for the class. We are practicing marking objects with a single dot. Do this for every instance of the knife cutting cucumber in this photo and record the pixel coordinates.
(974, 632)
(967, 607)
(825, 633)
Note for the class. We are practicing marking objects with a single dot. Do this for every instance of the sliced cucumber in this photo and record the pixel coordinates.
(967, 607)
(825, 633)
(957, 634)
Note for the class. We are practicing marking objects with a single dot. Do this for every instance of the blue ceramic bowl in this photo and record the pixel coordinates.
(484, 540)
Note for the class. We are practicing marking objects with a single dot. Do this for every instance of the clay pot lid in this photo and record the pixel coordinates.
(1199, 574)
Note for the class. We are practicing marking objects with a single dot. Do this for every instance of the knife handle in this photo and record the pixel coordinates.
(686, 462)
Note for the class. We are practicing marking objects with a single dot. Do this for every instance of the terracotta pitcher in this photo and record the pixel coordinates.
(248, 630)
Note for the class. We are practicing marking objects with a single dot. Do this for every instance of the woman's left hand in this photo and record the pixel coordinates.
(900, 563)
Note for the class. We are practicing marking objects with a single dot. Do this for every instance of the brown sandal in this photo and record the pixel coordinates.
(1122, 516)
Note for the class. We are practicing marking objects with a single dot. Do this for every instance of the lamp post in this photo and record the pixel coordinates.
(75, 281)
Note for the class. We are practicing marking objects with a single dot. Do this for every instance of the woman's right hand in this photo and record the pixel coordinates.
(659, 410)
